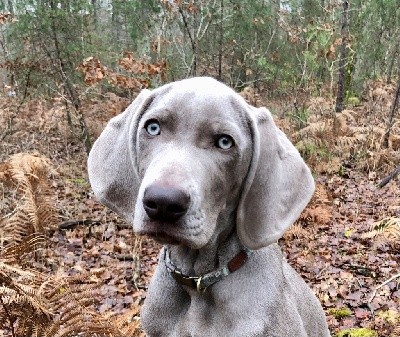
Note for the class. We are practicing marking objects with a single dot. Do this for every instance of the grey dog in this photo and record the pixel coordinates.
(192, 165)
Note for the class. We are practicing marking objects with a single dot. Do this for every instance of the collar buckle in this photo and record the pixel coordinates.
(199, 288)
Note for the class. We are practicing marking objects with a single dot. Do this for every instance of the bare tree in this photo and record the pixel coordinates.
(221, 40)
(343, 57)
(393, 59)
(389, 124)
(72, 93)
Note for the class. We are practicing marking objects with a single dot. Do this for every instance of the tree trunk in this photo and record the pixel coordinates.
(221, 40)
(11, 7)
(68, 86)
(94, 5)
(343, 57)
(385, 140)
(193, 42)
(392, 61)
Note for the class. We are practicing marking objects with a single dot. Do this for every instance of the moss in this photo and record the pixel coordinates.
(79, 181)
(348, 232)
(357, 332)
(309, 149)
(353, 101)
(390, 316)
(340, 312)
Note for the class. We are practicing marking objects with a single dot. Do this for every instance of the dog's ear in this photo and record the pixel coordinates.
(111, 163)
(278, 185)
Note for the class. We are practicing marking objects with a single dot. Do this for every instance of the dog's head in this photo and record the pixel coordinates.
(189, 152)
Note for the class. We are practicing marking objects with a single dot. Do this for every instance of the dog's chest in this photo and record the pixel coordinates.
(199, 323)
(205, 317)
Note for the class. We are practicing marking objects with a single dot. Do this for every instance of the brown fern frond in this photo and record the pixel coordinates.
(383, 160)
(35, 304)
(71, 301)
(311, 130)
(349, 115)
(319, 210)
(320, 196)
(20, 305)
(14, 253)
(129, 322)
(22, 308)
(340, 125)
(388, 227)
(296, 231)
(345, 143)
(319, 215)
(27, 176)
(5, 172)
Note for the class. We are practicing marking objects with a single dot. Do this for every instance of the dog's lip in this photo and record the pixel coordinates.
(162, 237)
(167, 233)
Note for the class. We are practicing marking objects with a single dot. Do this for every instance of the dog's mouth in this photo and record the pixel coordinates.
(162, 237)
(172, 233)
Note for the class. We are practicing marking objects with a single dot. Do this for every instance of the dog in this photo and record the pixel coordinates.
(213, 179)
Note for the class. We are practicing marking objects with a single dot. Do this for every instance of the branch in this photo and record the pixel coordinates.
(71, 224)
(200, 34)
(192, 42)
(378, 287)
(391, 176)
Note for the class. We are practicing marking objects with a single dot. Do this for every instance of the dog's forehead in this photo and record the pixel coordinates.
(201, 99)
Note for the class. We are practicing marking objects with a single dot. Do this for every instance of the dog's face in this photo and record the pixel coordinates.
(185, 157)
(193, 153)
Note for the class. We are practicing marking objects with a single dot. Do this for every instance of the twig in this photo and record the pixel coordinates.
(378, 287)
(71, 224)
(391, 176)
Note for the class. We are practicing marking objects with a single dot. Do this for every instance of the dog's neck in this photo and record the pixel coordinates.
(222, 247)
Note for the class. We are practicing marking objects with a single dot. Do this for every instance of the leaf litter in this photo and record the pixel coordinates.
(327, 246)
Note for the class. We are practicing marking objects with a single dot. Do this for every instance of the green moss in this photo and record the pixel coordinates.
(353, 101)
(340, 312)
(79, 181)
(357, 332)
(391, 316)
(309, 149)
(348, 232)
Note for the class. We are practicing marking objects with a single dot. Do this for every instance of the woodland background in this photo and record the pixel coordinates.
(329, 71)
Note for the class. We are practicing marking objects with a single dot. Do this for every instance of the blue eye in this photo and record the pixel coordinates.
(152, 127)
(224, 142)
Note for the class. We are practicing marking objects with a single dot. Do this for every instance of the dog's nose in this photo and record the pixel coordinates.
(165, 203)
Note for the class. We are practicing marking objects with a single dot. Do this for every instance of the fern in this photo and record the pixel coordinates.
(319, 210)
(35, 304)
(348, 142)
(21, 306)
(348, 135)
(319, 215)
(32, 303)
(388, 227)
(26, 175)
(296, 231)
(129, 324)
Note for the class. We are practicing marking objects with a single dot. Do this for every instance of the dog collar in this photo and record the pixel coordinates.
(201, 283)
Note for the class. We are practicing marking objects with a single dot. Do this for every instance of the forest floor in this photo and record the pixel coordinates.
(333, 246)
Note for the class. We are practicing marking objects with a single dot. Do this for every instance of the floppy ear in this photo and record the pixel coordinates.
(278, 185)
(111, 162)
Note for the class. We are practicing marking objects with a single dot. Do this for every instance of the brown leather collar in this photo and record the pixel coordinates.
(201, 283)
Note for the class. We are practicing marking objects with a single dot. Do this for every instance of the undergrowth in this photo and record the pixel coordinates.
(32, 302)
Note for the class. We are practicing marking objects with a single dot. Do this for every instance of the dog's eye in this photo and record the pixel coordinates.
(152, 127)
(224, 142)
